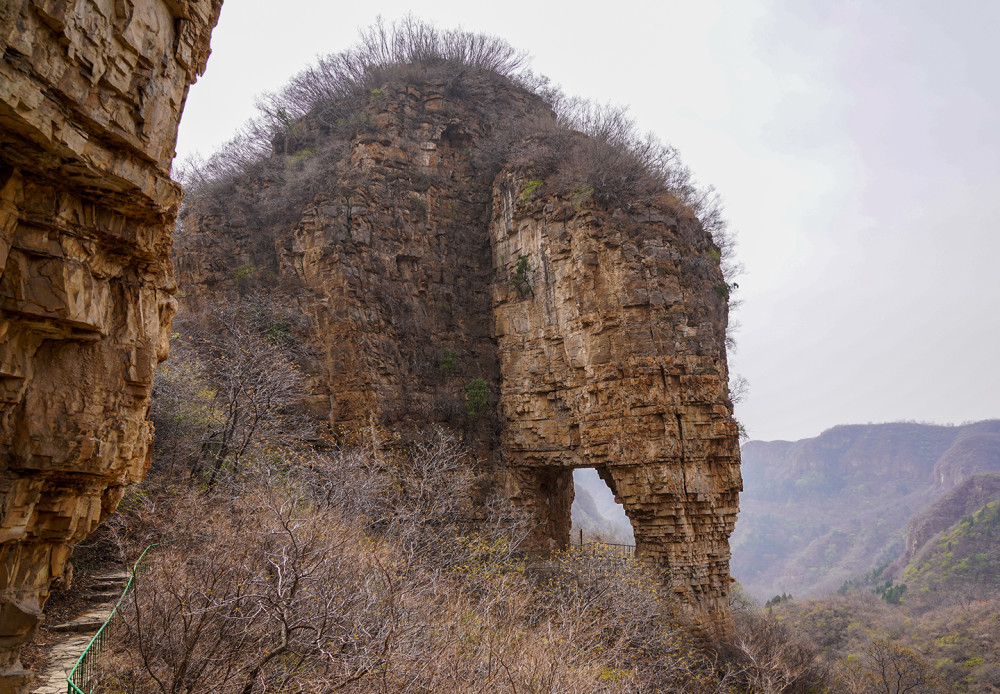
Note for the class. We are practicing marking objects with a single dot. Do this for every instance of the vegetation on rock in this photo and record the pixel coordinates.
(375, 565)
(421, 190)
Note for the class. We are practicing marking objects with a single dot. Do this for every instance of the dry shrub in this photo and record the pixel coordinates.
(580, 144)
(359, 571)
(333, 92)
(887, 668)
(607, 603)
(230, 391)
(273, 587)
(766, 657)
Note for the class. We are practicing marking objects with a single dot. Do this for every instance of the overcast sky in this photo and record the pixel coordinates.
(856, 146)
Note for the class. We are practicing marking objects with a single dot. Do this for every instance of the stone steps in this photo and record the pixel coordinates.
(103, 592)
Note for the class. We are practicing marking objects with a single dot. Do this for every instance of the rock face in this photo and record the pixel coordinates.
(615, 360)
(90, 96)
(599, 330)
(966, 498)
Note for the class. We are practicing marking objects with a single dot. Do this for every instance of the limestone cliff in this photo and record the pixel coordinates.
(445, 239)
(90, 96)
(615, 360)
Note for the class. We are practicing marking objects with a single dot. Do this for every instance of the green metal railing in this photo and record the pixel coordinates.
(83, 676)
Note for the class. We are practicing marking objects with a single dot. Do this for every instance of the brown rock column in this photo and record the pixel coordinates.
(611, 340)
(90, 97)
(546, 497)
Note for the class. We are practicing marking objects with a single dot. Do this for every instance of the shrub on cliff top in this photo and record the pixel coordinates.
(336, 88)
(622, 165)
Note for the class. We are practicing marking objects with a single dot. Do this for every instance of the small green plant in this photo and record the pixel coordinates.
(519, 278)
(244, 271)
(284, 118)
(742, 431)
(581, 195)
(301, 155)
(892, 594)
(725, 289)
(447, 360)
(529, 189)
(777, 599)
(280, 332)
(614, 674)
(477, 397)
(376, 94)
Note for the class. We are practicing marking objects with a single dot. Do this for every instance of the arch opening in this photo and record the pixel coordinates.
(596, 516)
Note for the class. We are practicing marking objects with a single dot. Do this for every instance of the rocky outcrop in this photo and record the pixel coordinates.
(966, 498)
(611, 345)
(975, 450)
(597, 330)
(90, 97)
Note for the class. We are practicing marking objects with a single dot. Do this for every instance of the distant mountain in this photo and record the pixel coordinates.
(953, 546)
(819, 511)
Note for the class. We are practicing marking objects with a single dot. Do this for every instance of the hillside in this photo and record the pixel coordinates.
(818, 512)
(441, 242)
(953, 547)
(595, 512)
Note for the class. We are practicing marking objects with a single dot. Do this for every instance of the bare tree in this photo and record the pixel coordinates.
(770, 659)
(886, 668)
(231, 388)
(355, 571)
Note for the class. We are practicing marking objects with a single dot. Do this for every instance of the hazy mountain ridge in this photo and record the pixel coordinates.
(952, 546)
(819, 511)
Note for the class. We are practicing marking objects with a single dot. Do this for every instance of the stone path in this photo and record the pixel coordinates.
(102, 594)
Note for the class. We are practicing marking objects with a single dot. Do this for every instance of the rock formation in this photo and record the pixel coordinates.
(965, 499)
(423, 262)
(615, 360)
(90, 97)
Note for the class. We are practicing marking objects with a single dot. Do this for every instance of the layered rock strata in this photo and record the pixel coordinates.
(90, 97)
(387, 258)
(611, 342)
(600, 332)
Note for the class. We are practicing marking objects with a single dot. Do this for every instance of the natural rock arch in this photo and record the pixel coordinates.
(617, 361)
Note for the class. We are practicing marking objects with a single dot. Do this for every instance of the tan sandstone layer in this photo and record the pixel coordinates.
(90, 96)
(615, 360)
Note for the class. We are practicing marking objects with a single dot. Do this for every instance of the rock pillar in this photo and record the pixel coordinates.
(610, 330)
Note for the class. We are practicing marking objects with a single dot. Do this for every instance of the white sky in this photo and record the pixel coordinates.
(856, 146)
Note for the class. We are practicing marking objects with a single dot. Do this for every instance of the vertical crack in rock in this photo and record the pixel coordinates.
(680, 440)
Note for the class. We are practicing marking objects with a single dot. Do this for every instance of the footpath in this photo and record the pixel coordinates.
(102, 593)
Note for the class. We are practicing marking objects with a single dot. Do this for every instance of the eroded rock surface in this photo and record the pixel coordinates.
(401, 245)
(612, 356)
(90, 97)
